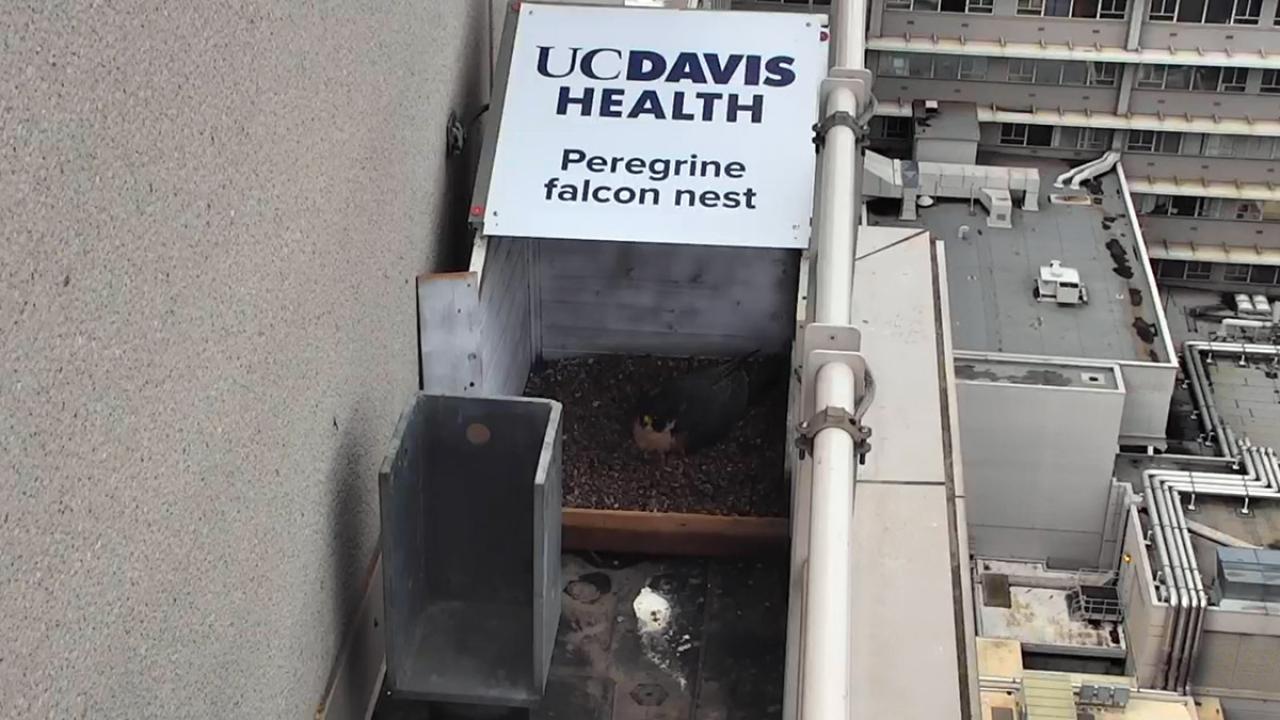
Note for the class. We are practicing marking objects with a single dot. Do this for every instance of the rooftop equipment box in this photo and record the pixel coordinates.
(470, 495)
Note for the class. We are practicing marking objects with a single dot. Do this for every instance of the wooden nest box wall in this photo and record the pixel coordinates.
(522, 299)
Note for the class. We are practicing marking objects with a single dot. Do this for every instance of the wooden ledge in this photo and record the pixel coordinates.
(661, 533)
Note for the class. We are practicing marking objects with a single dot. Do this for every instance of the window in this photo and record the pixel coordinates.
(1022, 70)
(893, 64)
(1235, 273)
(897, 4)
(1199, 271)
(1180, 270)
(1246, 210)
(1262, 275)
(1164, 9)
(1026, 135)
(1234, 79)
(1247, 12)
(1239, 146)
(1183, 206)
(1177, 77)
(981, 6)
(946, 67)
(1113, 9)
(1087, 9)
(1153, 141)
(1103, 74)
(1271, 81)
(1061, 72)
(973, 68)
(1049, 72)
(1168, 143)
(1212, 12)
(1072, 138)
(1165, 77)
(1151, 77)
(920, 66)
(1011, 134)
(891, 128)
(917, 65)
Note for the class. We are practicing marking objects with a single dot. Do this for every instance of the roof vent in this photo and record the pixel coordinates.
(1059, 284)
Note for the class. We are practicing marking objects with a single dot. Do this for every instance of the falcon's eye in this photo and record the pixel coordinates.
(647, 420)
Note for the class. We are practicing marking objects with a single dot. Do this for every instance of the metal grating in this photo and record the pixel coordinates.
(1048, 696)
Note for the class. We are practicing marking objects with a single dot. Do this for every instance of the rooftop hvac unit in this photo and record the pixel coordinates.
(1061, 285)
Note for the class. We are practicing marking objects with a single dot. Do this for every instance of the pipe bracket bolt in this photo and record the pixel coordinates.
(840, 419)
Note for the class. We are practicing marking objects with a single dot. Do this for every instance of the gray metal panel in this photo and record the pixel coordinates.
(466, 484)
(505, 343)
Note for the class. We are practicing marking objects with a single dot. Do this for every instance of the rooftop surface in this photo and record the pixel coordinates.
(991, 273)
(1029, 603)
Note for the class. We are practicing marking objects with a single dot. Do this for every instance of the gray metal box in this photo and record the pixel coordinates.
(470, 495)
(1248, 574)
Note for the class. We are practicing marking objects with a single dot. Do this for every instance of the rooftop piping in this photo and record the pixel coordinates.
(1179, 575)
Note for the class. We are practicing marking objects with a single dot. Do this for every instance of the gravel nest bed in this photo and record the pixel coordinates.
(742, 475)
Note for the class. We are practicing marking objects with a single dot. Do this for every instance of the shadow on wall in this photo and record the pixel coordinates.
(352, 510)
(458, 178)
(351, 484)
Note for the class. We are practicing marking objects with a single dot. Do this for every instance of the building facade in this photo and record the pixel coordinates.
(1187, 91)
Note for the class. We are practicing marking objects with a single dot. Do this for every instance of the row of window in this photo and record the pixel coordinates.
(1050, 136)
(1210, 12)
(1020, 70)
(1073, 72)
(1206, 207)
(1087, 9)
(1246, 147)
(1186, 270)
(1147, 141)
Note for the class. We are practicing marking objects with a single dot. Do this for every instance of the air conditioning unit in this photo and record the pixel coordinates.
(930, 107)
(1061, 285)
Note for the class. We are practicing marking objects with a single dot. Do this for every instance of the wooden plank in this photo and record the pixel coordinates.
(356, 679)
(504, 300)
(533, 258)
(650, 533)
(449, 331)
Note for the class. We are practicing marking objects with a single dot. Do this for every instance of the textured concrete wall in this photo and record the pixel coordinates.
(211, 217)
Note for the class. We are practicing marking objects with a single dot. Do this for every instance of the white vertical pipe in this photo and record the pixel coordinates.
(837, 215)
(827, 636)
(824, 690)
(849, 27)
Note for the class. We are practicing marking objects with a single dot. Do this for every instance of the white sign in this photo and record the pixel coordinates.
(666, 126)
